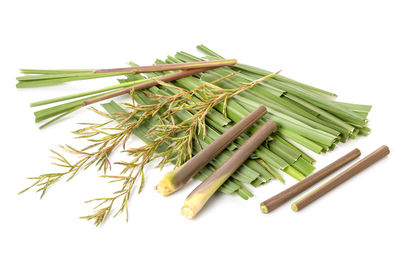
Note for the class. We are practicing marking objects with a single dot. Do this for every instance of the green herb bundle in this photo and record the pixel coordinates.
(178, 119)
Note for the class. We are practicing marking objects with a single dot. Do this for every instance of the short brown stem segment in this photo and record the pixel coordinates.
(341, 178)
(168, 78)
(200, 195)
(175, 179)
(279, 199)
(176, 66)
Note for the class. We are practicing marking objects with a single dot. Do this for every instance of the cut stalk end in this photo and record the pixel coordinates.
(187, 212)
(263, 208)
(294, 207)
(166, 187)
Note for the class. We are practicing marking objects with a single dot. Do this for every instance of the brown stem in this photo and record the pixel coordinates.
(200, 195)
(341, 178)
(279, 199)
(176, 66)
(168, 78)
(177, 178)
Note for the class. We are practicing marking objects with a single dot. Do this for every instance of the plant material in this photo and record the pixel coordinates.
(92, 92)
(178, 119)
(53, 77)
(62, 110)
(279, 199)
(341, 178)
(152, 116)
(175, 179)
(173, 66)
(199, 196)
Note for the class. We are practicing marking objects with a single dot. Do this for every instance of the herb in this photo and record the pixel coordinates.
(165, 116)
(177, 178)
(341, 178)
(277, 200)
(200, 195)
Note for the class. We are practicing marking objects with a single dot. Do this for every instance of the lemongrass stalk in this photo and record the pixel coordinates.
(174, 180)
(198, 198)
(174, 66)
(59, 71)
(75, 105)
(59, 76)
(262, 152)
(53, 79)
(87, 93)
(341, 178)
(279, 199)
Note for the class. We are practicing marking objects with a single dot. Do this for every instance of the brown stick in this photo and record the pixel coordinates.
(341, 178)
(176, 66)
(200, 195)
(168, 78)
(279, 199)
(175, 179)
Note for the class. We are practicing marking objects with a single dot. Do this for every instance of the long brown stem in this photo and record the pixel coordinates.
(168, 78)
(176, 66)
(279, 199)
(341, 178)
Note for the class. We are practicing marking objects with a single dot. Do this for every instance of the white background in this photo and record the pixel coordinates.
(349, 47)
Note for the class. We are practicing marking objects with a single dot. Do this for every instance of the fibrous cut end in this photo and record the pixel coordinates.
(187, 212)
(294, 207)
(263, 208)
(165, 187)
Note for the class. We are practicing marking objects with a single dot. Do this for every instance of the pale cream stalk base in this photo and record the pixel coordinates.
(166, 187)
(195, 201)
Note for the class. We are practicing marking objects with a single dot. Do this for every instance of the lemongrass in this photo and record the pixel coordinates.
(169, 67)
(341, 178)
(93, 92)
(277, 200)
(174, 180)
(199, 196)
